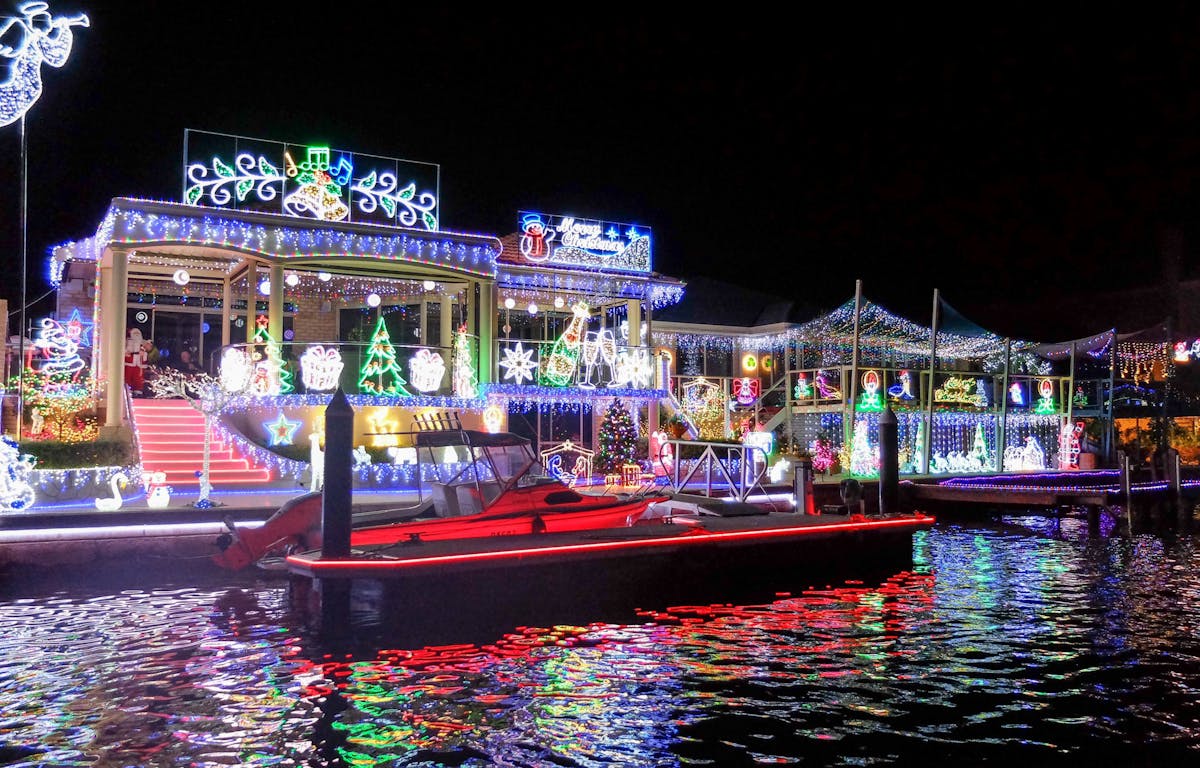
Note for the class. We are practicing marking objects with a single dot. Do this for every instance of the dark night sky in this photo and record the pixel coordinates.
(1008, 157)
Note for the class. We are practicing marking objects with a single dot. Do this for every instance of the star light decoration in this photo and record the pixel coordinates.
(281, 431)
(518, 363)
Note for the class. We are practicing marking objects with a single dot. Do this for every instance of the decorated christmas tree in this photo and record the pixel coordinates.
(863, 461)
(979, 449)
(463, 378)
(271, 375)
(380, 374)
(618, 438)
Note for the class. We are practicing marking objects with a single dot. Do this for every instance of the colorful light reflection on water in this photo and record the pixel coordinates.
(1015, 641)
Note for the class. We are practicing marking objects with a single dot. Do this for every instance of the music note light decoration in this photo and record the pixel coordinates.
(312, 181)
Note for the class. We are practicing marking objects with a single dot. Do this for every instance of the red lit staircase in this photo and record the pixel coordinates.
(170, 435)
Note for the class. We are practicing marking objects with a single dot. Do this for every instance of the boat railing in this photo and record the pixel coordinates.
(739, 467)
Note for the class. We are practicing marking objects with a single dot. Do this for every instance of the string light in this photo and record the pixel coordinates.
(138, 222)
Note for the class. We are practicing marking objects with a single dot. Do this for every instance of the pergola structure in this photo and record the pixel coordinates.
(236, 250)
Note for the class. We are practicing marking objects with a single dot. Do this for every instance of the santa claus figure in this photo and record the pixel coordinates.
(135, 361)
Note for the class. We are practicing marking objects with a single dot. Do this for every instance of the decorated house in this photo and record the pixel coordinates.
(288, 271)
(818, 386)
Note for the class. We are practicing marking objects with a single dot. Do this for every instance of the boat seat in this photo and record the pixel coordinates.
(469, 502)
(445, 499)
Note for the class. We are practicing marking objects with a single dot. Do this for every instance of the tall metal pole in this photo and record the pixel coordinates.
(927, 447)
(1071, 387)
(24, 247)
(1112, 398)
(848, 408)
(1002, 427)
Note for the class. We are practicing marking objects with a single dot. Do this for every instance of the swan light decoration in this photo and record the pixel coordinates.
(112, 505)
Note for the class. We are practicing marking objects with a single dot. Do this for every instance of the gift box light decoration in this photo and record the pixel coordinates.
(321, 368)
(426, 370)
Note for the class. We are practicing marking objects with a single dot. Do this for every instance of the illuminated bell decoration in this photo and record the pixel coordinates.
(493, 418)
(1045, 403)
(321, 368)
(745, 390)
(426, 370)
(181, 277)
(870, 400)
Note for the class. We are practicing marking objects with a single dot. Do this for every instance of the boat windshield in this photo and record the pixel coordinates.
(511, 461)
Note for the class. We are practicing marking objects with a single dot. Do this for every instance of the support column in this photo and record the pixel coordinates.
(251, 299)
(446, 334)
(633, 313)
(487, 330)
(115, 285)
(275, 304)
(226, 311)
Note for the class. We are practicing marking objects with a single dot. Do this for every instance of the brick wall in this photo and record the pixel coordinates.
(315, 320)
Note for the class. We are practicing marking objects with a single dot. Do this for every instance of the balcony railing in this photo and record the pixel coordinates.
(596, 361)
(383, 369)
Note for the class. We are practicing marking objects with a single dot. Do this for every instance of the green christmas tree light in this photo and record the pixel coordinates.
(379, 374)
(463, 378)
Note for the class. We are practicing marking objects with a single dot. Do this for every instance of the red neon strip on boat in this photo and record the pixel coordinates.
(693, 537)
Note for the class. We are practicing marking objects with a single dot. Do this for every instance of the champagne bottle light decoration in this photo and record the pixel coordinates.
(563, 360)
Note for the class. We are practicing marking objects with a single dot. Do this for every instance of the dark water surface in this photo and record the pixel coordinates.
(1016, 641)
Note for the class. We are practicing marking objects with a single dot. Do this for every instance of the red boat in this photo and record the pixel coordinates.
(500, 491)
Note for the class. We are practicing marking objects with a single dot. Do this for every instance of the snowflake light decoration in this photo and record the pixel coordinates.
(518, 363)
